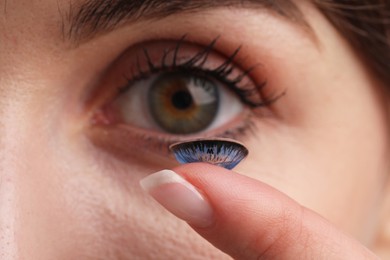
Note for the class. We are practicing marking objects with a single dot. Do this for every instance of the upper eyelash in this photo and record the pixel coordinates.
(194, 66)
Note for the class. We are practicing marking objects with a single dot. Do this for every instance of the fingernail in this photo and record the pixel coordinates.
(179, 197)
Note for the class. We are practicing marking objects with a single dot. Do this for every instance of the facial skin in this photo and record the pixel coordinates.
(69, 188)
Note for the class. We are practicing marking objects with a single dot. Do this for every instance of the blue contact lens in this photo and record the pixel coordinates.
(222, 152)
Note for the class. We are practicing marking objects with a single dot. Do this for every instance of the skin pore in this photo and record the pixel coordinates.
(69, 184)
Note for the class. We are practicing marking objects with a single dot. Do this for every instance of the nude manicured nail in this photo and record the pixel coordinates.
(179, 197)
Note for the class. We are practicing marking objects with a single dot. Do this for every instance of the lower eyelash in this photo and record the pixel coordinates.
(246, 128)
(126, 137)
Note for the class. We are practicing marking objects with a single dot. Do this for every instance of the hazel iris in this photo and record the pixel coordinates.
(183, 104)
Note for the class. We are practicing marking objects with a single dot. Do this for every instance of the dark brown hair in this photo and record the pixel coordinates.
(366, 24)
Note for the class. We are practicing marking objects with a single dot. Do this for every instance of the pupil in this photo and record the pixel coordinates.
(183, 104)
(182, 100)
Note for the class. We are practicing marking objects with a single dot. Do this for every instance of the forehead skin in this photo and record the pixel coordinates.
(79, 20)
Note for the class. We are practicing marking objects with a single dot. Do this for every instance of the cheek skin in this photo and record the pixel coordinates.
(329, 149)
(127, 222)
(66, 203)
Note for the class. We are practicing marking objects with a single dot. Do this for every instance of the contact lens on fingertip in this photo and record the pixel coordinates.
(223, 152)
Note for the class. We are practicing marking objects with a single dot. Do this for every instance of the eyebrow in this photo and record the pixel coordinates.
(93, 17)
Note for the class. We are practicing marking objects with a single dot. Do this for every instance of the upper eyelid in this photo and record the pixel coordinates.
(121, 68)
(198, 60)
(227, 71)
(202, 53)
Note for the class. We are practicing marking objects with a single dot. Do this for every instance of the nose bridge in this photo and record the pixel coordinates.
(8, 183)
(8, 201)
(22, 187)
(33, 207)
(27, 181)
(8, 143)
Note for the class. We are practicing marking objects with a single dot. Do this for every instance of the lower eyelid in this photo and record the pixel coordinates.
(125, 141)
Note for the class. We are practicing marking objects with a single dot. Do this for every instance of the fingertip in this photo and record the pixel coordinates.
(179, 197)
(202, 172)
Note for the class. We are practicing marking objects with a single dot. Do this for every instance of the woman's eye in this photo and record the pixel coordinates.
(171, 91)
(177, 103)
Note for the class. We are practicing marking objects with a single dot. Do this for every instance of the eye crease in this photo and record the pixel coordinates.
(177, 90)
